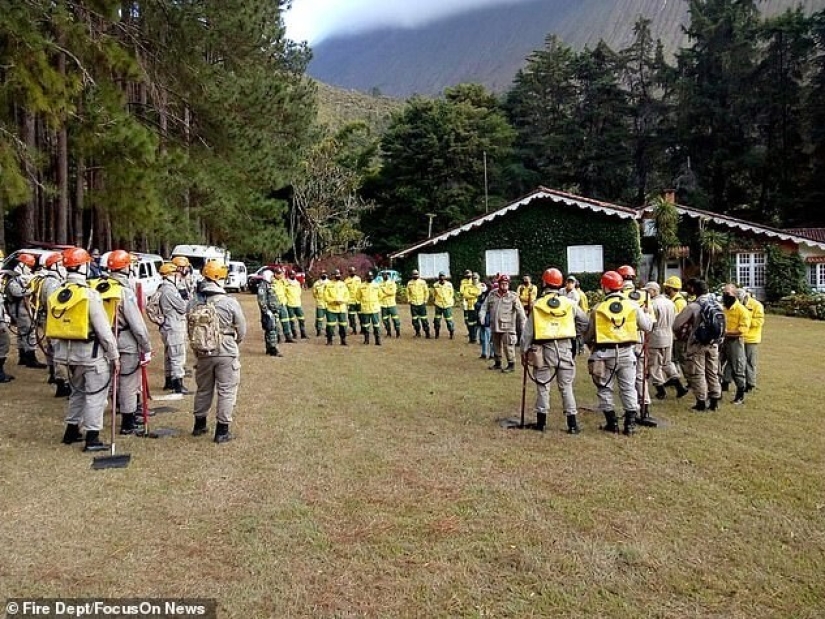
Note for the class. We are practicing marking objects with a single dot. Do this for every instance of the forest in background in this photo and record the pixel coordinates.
(145, 124)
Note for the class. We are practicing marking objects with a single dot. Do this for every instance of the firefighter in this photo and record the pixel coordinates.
(466, 306)
(218, 371)
(320, 304)
(173, 329)
(83, 341)
(353, 282)
(336, 296)
(18, 299)
(279, 287)
(52, 279)
(292, 289)
(547, 347)
(662, 370)
(612, 335)
(369, 305)
(673, 290)
(387, 292)
(753, 337)
(270, 308)
(185, 280)
(444, 301)
(418, 293)
(5, 344)
(132, 337)
(737, 325)
(506, 317)
(469, 295)
(641, 297)
(527, 293)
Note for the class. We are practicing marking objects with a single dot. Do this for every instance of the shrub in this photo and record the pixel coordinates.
(803, 305)
(361, 262)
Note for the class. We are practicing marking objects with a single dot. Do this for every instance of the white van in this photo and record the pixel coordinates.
(147, 273)
(199, 255)
(237, 277)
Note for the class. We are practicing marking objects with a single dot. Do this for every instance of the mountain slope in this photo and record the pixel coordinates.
(490, 45)
(337, 107)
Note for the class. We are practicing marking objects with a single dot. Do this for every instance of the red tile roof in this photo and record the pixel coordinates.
(816, 234)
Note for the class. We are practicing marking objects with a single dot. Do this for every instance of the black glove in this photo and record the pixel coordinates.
(184, 294)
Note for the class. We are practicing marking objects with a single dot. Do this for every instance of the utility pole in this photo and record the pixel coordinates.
(486, 198)
(430, 216)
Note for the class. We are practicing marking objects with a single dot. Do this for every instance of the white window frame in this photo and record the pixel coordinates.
(502, 262)
(430, 265)
(751, 270)
(585, 259)
(816, 276)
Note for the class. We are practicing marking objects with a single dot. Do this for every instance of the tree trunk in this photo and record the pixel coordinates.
(28, 219)
(79, 198)
(62, 214)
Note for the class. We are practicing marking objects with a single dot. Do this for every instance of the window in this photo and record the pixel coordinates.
(816, 276)
(429, 265)
(750, 269)
(585, 259)
(502, 261)
(143, 270)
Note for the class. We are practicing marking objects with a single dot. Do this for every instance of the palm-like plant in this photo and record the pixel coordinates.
(666, 218)
(713, 242)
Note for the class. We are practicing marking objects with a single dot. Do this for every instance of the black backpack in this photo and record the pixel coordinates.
(711, 329)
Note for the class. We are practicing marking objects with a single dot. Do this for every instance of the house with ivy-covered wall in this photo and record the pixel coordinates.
(543, 229)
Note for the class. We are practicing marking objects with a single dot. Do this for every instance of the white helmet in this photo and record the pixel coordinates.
(267, 276)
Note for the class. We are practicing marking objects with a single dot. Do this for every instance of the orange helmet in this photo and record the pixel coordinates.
(180, 261)
(612, 281)
(119, 259)
(552, 277)
(27, 259)
(75, 256)
(627, 272)
(52, 259)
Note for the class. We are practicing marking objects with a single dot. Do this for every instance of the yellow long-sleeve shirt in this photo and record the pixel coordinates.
(279, 286)
(369, 298)
(737, 319)
(757, 312)
(444, 294)
(318, 293)
(386, 292)
(353, 283)
(418, 292)
(293, 293)
(336, 296)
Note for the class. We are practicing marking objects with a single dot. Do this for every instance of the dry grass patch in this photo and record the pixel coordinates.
(374, 481)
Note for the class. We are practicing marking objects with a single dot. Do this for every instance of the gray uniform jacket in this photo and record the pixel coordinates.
(132, 337)
(173, 308)
(506, 312)
(16, 292)
(691, 315)
(230, 314)
(51, 282)
(665, 312)
(81, 352)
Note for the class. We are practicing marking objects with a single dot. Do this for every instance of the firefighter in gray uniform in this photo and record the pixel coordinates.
(5, 343)
(547, 346)
(52, 280)
(612, 336)
(18, 295)
(132, 340)
(219, 369)
(83, 341)
(173, 329)
(270, 307)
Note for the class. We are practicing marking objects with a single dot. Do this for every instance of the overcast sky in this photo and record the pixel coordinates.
(314, 20)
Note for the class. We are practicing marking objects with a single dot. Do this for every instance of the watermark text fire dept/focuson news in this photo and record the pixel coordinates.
(109, 608)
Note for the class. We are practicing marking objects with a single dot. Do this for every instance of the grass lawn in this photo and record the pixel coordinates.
(375, 481)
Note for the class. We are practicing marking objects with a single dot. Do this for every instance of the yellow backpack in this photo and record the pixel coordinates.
(68, 315)
(110, 291)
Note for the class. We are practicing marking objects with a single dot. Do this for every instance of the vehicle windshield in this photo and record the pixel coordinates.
(197, 262)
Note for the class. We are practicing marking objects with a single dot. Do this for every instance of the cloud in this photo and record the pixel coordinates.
(315, 20)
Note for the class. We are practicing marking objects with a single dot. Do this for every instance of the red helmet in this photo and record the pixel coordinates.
(52, 259)
(552, 277)
(75, 256)
(504, 278)
(612, 281)
(627, 272)
(27, 259)
(119, 259)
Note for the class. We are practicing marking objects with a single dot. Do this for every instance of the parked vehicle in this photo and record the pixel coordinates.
(237, 279)
(39, 253)
(255, 278)
(394, 276)
(146, 273)
(199, 255)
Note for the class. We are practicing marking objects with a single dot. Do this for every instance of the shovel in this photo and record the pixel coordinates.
(112, 461)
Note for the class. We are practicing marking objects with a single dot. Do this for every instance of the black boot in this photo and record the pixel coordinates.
(699, 406)
(739, 398)
(329, 339)
(63, 389)
(273, 351)
(452, 334)
(127, 423)
(366, 336)
(541, 422)
(31, 361)
(222, 434)
(437, 331)
(418, 332)
(496, 365)
(52, 379)
(200, 426)
(389, 331)
(4, 378)
(426, 331)
(661, 394)
(714, 404)
(510, 367)
(21, 356)
(473, 330)
(725, 385)
(177, 384)
(572, 424)
(377, 334)
(303, 332)
(629, 423)
(93, 442)
(167, 384)
(343, 340)
(681, 390)
(72, 434)
(398, 332)
(317, 332)
(611, 422)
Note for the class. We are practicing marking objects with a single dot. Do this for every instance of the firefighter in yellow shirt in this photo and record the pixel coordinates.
(737, 325)
(292, 289)
(418, 293)
(470, 294)
(387, 291)
(753, 337)
(320, 304)
(369, 301)
(336, 297)
(279, 284)
(353, 283)
(444, 301)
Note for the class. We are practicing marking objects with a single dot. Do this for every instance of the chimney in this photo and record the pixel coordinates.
(669, 195)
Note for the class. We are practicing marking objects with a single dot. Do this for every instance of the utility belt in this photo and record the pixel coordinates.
(614, 346)
(561, 339)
